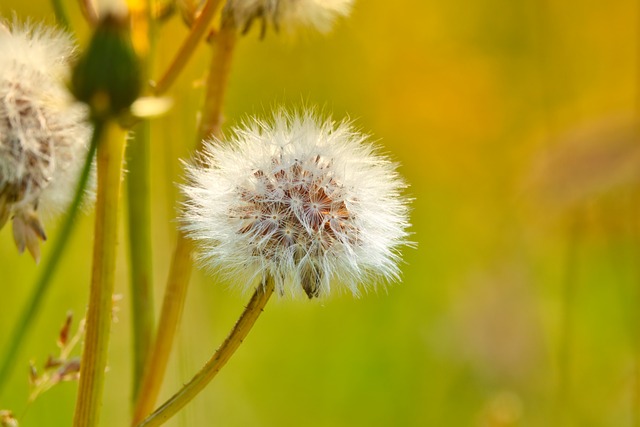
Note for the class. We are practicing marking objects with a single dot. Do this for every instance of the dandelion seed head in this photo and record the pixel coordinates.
(308, 202)
(43, 132)
(289, 15)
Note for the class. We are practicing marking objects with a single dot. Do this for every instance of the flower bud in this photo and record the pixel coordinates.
(108, 75)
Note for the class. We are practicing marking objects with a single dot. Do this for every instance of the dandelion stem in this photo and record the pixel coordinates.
(174, 297)
(180, 271)
(139, 232)
(61, 14)
(188, 46)
(217, 361)
(43, 282)
(98, 323)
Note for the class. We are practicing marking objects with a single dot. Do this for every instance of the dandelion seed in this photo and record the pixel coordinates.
(290, 15)
(43, 133)
(310, 203)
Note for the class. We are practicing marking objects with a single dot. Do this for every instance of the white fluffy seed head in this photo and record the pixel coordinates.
(43, 132)
(308, 202)
(289, 15)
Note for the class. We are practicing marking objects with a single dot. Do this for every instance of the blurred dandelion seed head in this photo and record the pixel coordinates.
(308, 202)
(43, 133)
(289, 15)
(7, 419)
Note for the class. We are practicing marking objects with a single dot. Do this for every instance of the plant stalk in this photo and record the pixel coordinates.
(218, 360)
(99, 313)
(180, 271)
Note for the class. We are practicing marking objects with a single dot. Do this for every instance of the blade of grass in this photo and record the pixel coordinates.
(44, 280)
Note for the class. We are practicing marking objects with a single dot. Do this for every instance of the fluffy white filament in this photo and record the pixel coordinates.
(43, 133)
(290, 15)
(308, 202)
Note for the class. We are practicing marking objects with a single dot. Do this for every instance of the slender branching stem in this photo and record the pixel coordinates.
(188, 46)
(99, 313)
(220, 357)
(88, 11)
(139, 221)
(180, 271)
(44, 280)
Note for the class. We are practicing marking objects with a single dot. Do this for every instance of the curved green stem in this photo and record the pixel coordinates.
(99, 313)
(219, 359)
(41, 287)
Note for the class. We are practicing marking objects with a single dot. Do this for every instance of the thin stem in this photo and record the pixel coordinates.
(634, 318)
(98, 323)
(41, 287)
(173, 304)
(188, 46)
(219, 359)
(61, 14)
(636, 233)
(180, 271)
(563, 401)
(139, 216)
(223, 46)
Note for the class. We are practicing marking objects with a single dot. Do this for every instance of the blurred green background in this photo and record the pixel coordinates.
(513, 123)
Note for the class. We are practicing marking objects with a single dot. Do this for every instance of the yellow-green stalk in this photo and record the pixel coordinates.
(98, 323)
(107, 78)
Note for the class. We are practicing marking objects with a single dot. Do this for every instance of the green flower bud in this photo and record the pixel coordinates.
(108, 75)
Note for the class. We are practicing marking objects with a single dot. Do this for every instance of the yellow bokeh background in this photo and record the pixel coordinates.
(516, 308)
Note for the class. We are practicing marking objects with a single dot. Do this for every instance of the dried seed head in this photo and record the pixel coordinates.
(307, 202)
(43, 133)
(7, 419)
(290, 15)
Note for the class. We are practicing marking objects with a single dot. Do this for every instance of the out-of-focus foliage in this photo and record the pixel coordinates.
(513, 123)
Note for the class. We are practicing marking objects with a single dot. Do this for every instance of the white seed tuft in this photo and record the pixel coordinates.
(289, 15)
(43, 132)
(310, 203)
